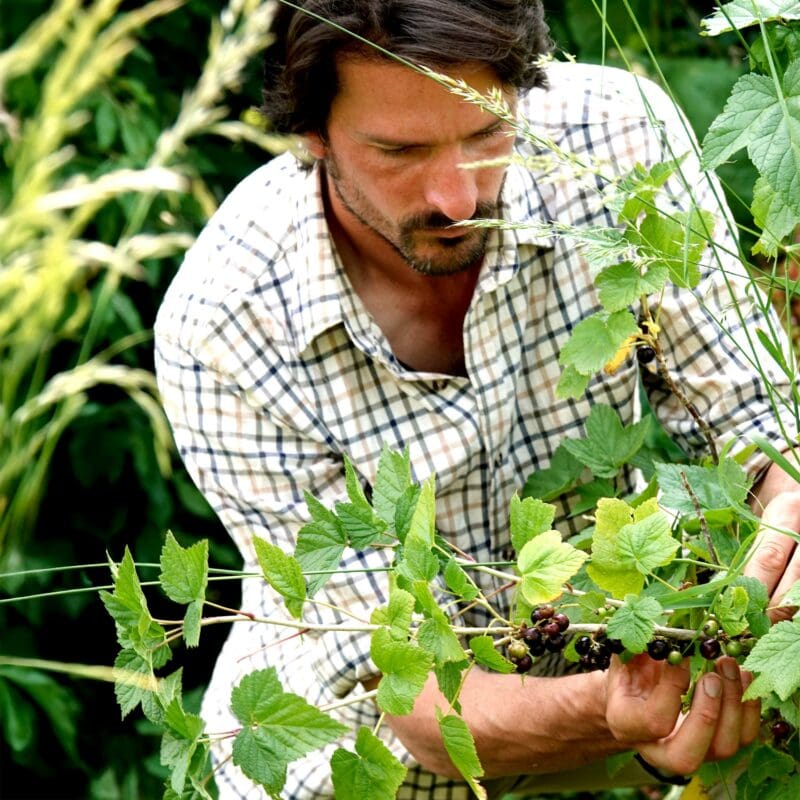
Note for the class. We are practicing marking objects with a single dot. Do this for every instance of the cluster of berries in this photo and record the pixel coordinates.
(544, 634)
(595, 651)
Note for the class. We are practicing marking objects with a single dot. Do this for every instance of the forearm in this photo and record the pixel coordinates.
(535, 725)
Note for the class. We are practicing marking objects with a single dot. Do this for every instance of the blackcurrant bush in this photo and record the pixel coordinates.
(524, 664)
(710, 649)
(583, 645)
(562, 620)
(555, 644)
(780, 729)
(675, 657)
(658, 649)
(645, 354)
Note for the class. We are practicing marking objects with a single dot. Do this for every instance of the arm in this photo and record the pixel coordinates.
(546, 725)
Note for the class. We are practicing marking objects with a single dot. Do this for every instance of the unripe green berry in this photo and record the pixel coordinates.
(733, 648)
(517, 650)
(711, 628)
(675, 658)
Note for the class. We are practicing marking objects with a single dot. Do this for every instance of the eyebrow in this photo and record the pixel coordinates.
(379, 141)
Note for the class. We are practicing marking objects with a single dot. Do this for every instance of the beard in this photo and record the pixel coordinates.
(414, 237)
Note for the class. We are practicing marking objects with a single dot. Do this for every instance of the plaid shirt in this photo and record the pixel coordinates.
(271, 370)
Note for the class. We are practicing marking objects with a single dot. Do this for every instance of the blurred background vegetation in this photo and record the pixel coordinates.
(122, 126)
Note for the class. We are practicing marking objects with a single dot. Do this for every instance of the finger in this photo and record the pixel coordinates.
(685, 750)
(727, 738)
(774, 561)
(751, 714)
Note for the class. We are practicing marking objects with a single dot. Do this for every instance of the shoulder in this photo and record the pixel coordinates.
(244, 260)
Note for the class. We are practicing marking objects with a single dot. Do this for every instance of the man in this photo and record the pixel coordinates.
(339, 309)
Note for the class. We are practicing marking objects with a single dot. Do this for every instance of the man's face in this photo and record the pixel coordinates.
(394, 153)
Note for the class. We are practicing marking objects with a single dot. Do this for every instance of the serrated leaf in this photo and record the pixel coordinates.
(423, 521)
(283, 573)
(279, 727)
(529, 518)
(600, 246)
(621, 285)
(392, 479)
(184, 570)
(731, 610)
(486, 655)
(448, 679)
(734, 483)
(608, 444)
(612, 515)
(636, 191)
(552, 481)
(404, 668)
(633, 623)
(396, 615)
(179, 743)
(739, 14)
(545, 564)
(192, 621)
(319, 549)
(417, 563)
(133, 680)
(596, 339)
(776, 660)
(458, 582)
(355, 491)
(647, 544)
(767, 762)
(703, 481)
(460, 747)
(404, 511)
(757, 602)
(572, 384)
(774, 218)
(362, 526)
(371, 773)
(436, 636)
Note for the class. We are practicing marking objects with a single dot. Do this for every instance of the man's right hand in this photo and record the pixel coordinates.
(643, 710)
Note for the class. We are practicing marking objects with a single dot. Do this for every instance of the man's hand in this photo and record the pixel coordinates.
(644, 711)
(776, 557)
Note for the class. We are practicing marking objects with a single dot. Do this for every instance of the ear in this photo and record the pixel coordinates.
(315, 145)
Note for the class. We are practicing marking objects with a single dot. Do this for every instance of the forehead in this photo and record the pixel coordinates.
(379, 96)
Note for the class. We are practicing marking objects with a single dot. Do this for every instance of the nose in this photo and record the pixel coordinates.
(450, 188)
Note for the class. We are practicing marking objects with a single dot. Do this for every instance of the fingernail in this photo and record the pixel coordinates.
(730, 670)
(712, 685)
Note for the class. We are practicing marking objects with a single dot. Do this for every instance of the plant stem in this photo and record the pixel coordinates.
(701, 518)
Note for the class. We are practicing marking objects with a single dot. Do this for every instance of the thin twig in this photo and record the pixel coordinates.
(701, 518)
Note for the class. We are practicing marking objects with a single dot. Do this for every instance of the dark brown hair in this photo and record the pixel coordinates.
(299, 67)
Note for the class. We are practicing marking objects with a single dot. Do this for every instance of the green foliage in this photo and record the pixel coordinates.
(371, 773)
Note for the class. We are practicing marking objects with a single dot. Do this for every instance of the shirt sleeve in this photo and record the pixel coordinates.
(254, 460)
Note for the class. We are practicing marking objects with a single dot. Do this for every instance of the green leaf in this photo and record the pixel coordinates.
(529, 518)
(184, 577)
(392, 479)
(647, 544)
(608, 444)
(320, 544)
(371, 773)
(423, 520)
(363, 527)
(596, 339)
(633, 623)
(458, 581)
(405, 669)
(600, 246)
(136, 629)
(776, 661)
(355, 491)
(460, 747)
(17, 718)
(704, 483)
(572, 384)
(396, 615)
(279, 727)
(179, 743)
(739, 14)
(486, 655)
(734, 483)
(133, 680)
(436, 636)
(636, 191)
(448, 678)
(621, 285)
(404, 511)
(731, 610)
(552, 481)
(283, 573)
(757, 602)
(767, 762)
(418, 563)
(773, 216)
(545, 564)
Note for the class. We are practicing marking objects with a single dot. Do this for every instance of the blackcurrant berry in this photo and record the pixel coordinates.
(586, 662)
(675, 657)
(583, 645)
(780, 729)
(545, 612)
(524, 664)
(658, 649)
(687, 648)
(555, 644)
(615, 646)
(645, 354)
(531, 635)
(562, 620)
(536, 648)
(517, 650)
(551, 628)
(710, 649)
